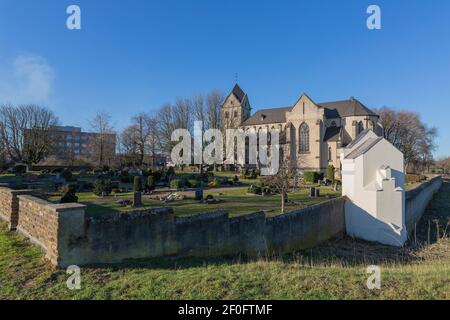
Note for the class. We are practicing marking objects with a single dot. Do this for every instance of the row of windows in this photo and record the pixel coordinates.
(227, 114)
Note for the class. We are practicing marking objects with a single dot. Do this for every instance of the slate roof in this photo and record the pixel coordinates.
(238, 92)
(334, 109)
(267, 116)
(332, 134)
(345, 108)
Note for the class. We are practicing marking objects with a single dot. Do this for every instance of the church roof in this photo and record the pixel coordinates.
(238, 92)
(332, 134)
(267, 116)
(334, 109)
(346, 108)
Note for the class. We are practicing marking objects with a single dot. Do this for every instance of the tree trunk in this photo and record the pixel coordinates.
(282, 202)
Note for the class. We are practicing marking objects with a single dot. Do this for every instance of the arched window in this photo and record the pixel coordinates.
(360, 127)
(304, 138)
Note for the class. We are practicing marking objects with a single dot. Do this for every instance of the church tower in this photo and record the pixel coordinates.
(235, 109)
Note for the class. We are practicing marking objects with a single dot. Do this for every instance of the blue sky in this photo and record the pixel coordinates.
(133, 56)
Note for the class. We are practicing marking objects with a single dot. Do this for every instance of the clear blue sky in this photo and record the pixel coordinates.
(133, 56)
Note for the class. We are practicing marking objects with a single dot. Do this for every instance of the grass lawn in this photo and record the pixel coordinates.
(334, 270)
(236, 200)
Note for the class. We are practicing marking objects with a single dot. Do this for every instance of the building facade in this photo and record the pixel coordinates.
(71, 145)
(310, 133)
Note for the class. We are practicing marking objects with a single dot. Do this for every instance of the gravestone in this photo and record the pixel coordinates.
(317, 193)
(137, 199)
(312, 192)
(199, 194)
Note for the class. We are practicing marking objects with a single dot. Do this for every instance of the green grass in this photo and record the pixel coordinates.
(235, 200)
(334, 270)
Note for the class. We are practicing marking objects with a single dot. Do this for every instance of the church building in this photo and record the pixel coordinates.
(311, 133)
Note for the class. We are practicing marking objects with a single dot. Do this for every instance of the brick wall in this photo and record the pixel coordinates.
(48, 224)
(9, 206)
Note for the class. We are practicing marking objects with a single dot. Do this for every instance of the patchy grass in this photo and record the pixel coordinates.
(235, 200)
(334, 270)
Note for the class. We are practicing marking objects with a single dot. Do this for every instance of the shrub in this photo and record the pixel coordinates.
(411, 178)
(20, 169)
(69, 194)
(67, 174)
(137, 184)
(254, 174)
(170, 171)
(102, 187)
(194, 183)
(235, 180)
(157, 175)
(150, 183)
(214, 183)
(330, 173)
(225, 180)
(209, 197)
(312, 176)
(254, 189)
(176, 184)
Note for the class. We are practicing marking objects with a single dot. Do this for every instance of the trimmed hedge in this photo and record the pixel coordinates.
(137, 184)
(312, 176)
(102, 187)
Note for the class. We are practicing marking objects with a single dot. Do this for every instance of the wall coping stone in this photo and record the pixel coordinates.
(58, 207)
(202, 216)
(412, 193)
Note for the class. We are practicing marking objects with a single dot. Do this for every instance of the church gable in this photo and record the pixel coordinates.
(305, 108)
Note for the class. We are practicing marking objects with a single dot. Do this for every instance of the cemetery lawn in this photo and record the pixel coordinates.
(333, 270)
(236, 200)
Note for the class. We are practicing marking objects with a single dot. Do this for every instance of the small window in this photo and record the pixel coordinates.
(329, 154)
(227, 115)
(333, 123)
(235, 114)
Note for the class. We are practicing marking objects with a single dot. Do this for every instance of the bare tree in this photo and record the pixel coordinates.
(444, 164)
(25, 132)
(141, 124)
(214, 101)
(153, 139)
(406, 131)
(280, 182)
(102, 144)
(166, 125)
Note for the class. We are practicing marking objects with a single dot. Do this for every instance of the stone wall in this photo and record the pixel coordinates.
(69, 237)
(9, 206)
(417, 200)
(51, 226)
(157, 232)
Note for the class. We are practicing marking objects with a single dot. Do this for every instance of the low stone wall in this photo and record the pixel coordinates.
(69, 237)
(51, 226)
(9, 206)
(417, 200)
(157, 232)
